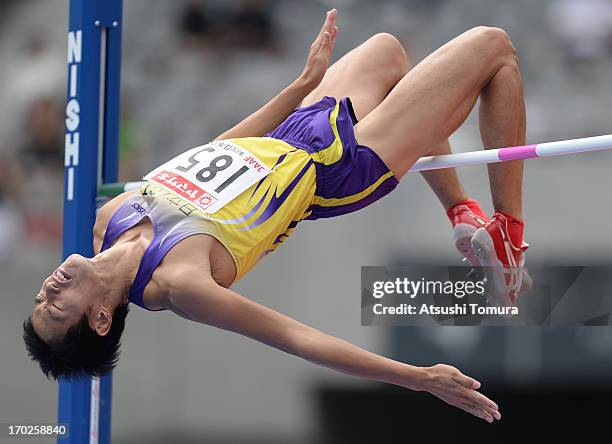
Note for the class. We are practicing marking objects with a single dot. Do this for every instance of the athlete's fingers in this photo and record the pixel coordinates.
(332, 17)
(476, 412)
(326, 39)
(318, 41)
(328, 25)
(330, 21)
(475, 398)
(482, 399)
(478, 400)
(466, 381)
(326, 48)
(334, 33)
(485, 406)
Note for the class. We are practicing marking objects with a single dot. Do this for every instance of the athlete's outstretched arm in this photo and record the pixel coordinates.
(276, 110)
(202, 300)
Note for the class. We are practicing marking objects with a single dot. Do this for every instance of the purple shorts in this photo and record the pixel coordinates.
(349, 176)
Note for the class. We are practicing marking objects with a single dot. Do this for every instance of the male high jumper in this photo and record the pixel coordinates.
(202, 220)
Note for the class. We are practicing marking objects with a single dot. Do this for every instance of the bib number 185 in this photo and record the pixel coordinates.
(212, 175)
(219, 163)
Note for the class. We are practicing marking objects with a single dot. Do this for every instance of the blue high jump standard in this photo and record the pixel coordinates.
(91, 159)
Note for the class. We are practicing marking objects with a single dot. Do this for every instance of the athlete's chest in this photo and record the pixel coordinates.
(170, 242)
(188, 260)
(204, 255)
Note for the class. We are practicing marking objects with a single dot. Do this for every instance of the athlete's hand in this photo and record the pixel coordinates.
(321, 51)
(454, 388)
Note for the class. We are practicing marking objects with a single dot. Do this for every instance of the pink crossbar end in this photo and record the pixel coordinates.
(518, 152)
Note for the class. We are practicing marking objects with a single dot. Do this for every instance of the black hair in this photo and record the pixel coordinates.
(81, 352)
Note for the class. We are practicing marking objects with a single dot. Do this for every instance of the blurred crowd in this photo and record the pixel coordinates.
(202, 65)
(203, 26)
(33, 97)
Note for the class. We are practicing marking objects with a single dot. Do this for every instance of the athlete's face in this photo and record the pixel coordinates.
(65, 295)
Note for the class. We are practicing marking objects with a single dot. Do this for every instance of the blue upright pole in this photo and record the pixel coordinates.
(91, 158)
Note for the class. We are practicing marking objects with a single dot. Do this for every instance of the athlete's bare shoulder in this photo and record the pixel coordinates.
(103, 217)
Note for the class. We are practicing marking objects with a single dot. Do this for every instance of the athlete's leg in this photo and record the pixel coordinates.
(436, 96)
(445, 183)
(366, 74)
(503, 99)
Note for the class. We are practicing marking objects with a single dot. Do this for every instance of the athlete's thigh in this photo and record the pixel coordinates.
(433, 99)
(360, 74)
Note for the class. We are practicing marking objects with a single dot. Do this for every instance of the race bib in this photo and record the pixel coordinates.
(212, 175)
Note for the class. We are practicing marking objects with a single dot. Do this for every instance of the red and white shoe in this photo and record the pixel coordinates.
(466, 217)
(500, 249)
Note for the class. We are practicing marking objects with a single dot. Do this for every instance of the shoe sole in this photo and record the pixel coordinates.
(462, 236)
(483, 247)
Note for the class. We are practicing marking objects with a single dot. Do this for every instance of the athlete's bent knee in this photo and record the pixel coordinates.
(498, 40)
(393, 59)
(387, 40)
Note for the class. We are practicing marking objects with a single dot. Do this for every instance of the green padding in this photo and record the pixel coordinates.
(115, 189)
(111, 189)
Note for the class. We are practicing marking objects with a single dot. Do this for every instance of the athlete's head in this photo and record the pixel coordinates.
(76, 322)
